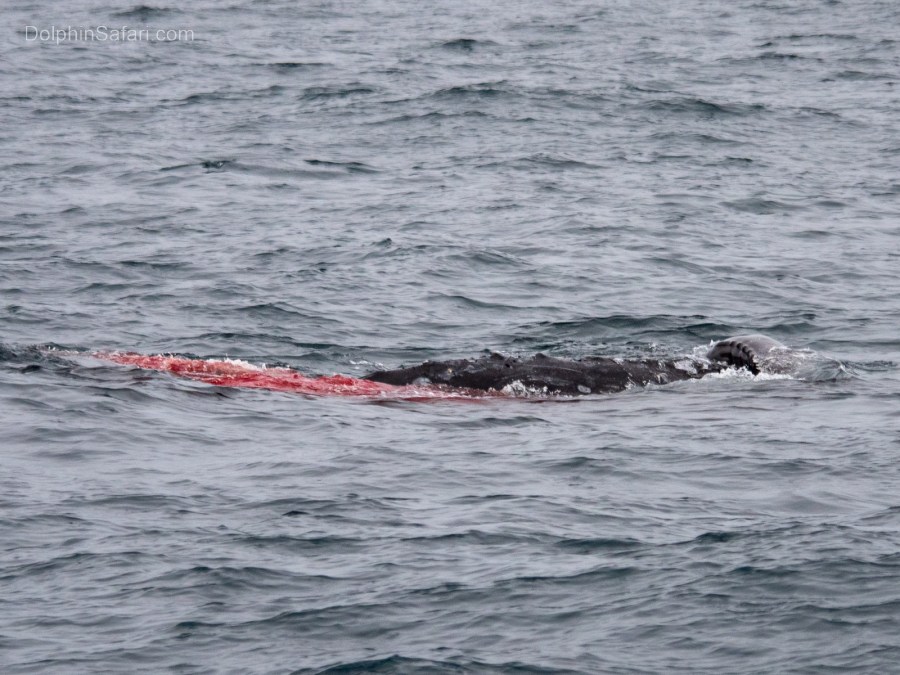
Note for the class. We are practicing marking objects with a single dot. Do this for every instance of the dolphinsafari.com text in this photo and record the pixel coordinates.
(101, 33)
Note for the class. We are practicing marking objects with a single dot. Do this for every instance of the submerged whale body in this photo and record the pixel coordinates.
(592, 375)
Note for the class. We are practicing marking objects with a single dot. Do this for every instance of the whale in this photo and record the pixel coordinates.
(590, 375)
(487, 377)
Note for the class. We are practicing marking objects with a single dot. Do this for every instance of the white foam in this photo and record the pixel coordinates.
(518, 389)
(239, 362)
(734, 373)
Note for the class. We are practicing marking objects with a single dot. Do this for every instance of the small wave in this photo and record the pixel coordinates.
(798, 37)
(145, 13)
(400, 665)
(465, 301)
(335, 91)
(487, 259)
(612, 327)
(218, 96)
(872, 366)
(79, 560)
(323, 168)
(542, 159)
(138, 502)
(475, 537)
(229, 576)
(702, 138)
(298, 544)
(351, 167)
(481, 90)
(704, 108)
(589, 577)
(432, 116)
(592, 546)
(761, 206)
(779, 56)
(466, 44)
(288, 66)
(715, 537)
(858, 75)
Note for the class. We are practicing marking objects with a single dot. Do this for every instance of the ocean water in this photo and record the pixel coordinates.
(341, 186)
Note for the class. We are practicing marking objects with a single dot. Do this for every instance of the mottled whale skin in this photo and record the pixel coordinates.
(592, 375)
(561, 376)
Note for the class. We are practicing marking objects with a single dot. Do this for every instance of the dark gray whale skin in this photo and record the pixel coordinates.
(592, 375)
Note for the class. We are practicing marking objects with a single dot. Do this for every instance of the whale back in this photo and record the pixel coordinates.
(753, 352)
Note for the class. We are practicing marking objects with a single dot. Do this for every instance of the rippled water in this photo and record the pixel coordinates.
(338, 186)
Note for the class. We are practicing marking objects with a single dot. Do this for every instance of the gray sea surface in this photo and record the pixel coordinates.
(342, 186)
